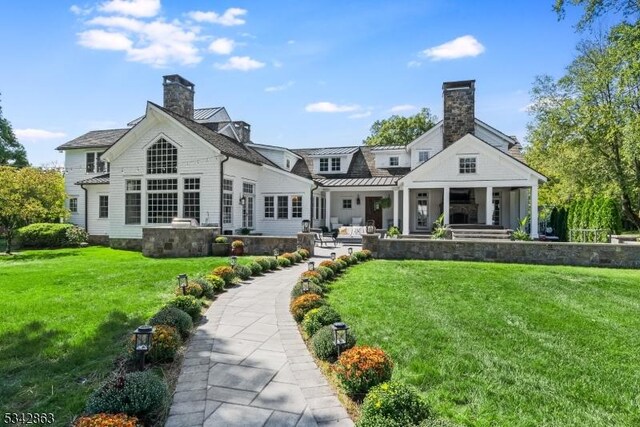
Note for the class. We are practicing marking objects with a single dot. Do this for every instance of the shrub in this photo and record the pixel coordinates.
(193, 288)
(226, 273)
(289, 256)
(395, 400)
(304, 303)
(297, 257)
(332, 265)
(175, 317)
(366, 253)
(313, 289)
(265, 263)
(165, 344)
(256, 269)
(221, 239)
(326, 272)
(135, 393)
(323, 346)
(346, 259)
(312, 275)
(304, 253)
(243, 272)
(341, 264)
(284, 262)
(360, 255)
(438, 422)
(107, 420)
(216, 282)
(362, 367)
(382, 421)
(273, 263)
(237, 244)
(208, 290)
(315, 319)
(45, 235)
(188, 304)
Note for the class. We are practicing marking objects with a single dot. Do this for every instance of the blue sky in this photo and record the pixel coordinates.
(303, 74)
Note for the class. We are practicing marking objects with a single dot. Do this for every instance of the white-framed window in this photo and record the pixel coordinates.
(95, 164)
(283, 207)
(162, 200)
(495, 217)
(335, 164)
(227, 201)
(103, 206)
(346, 203)
(162, 158)
(296, 206)
(248, 210)
(467, 165)
(394, 161)
(73, 205)
(191, 198)
(423, 156)
(324, 164)
(133, 201)
(269, 207)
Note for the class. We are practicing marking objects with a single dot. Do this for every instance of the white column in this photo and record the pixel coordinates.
(534, 211)
(445, 204)
(396, 207)
(489, 207)
(327, 215)
(405, 211)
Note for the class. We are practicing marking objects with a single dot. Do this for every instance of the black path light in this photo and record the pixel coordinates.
(305, 285)
(306, 225)
(143, 342)
(233, 260)
(333, 256)
(183, 280)
(350, 251)
(276, 252)
(311, 265)
(340, 331)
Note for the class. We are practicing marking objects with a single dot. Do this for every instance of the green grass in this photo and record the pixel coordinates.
(66, 315)
(504, 345)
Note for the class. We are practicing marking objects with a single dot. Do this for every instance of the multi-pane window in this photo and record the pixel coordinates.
(101, 165)
(423, 156)
(227, 201)
(91, 162)
(422, 210)
(162, 158)
(296, 206)
(346, 203)
(94, 163)
(324, 165)
(103, 206)
(191, 198)
(73, 204)
(335, 164)
(132, 201)
(467, 165)
(495, 217)
(162, 200)
(283, 207)
(248, 210)
(269, 207)
(394, 161)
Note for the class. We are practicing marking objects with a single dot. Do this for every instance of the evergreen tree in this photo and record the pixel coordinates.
(12, 153)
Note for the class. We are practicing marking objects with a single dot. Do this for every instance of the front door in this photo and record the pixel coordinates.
(373, 211)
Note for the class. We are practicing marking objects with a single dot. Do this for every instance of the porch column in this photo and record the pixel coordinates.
(396, 206)
(327, 221)
(445, 204)
(534, 211)
(489, 207)
(405, 211)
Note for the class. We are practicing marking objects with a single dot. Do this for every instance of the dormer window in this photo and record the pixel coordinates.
(467, 165)
(394, 161)
(162, 158)
(423, 156)
(335, 164)
(324, 165)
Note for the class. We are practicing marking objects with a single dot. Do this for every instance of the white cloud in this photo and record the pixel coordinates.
(360, 115)
(137, 8)
(222, 46)
(229, 18)
(402, 108)
(330, 107)
(77, 10)
(460, 47)
(37, 134)
(104, 40)
(241, 63)
(279, 88)
(414, 64)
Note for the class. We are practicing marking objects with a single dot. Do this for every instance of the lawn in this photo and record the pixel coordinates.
(504, 345)
(66, 315)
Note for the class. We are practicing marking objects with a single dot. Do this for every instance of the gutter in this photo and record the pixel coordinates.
(222, 191)
(86, 209)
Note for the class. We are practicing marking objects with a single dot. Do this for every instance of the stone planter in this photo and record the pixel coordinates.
(220, 249)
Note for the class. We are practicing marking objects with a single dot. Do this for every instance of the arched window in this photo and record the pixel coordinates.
(162, 158)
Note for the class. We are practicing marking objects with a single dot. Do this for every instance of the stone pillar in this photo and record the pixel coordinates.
(405, 210)
(306, 241)
(445, 204)
(370, 242)
(534, 211)
(396, 207)
(488, 220)
(327, 215)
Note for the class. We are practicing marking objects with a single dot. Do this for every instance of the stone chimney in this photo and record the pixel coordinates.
(243, 129)
(178, 95)
(459, 110)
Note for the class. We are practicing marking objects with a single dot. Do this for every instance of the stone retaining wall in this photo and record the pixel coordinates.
(161, 242)
(126, 244)
(583, 254)
(101, 240)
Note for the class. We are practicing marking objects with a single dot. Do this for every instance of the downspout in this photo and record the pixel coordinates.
(222, 191)
(312, 190)
(86, 209)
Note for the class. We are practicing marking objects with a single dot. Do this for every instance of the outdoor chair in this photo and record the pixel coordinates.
(325, 239)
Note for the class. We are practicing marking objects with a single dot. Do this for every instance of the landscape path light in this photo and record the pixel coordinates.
(276, 253)
(311, 265)
(143, 342)
(183, 280)
(305, 285)
(233, 260)
(340, 331)
(306, 225)
(333, 256)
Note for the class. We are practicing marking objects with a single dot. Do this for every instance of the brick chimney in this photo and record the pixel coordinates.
(459, 110)
(178, 95)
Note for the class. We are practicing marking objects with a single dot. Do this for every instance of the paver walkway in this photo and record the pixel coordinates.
(247, 365)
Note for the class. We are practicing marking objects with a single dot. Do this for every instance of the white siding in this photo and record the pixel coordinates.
(492, 138)
(97, 226)
(382, 158)
(431, 141)
(75, 170)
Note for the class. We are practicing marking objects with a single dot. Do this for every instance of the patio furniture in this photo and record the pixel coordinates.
(322, 239)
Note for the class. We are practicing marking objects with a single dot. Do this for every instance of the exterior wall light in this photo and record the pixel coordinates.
(350, 251)
(306, 226)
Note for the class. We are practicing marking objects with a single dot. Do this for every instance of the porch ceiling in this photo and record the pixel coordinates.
(351, 182)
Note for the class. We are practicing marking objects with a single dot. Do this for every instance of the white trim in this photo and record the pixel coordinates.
(436, 127)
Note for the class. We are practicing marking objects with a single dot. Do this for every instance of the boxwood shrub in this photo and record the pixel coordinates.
(284, 262)
(323, 346)
(242, 271)
(264, 263)
(175, 317)
(315, 319)
(187, 303)
(395, 400)
(54, 235)
(256, 269)
(273, 263)
(313, 289)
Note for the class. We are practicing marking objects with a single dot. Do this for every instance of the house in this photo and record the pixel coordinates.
(178, 161)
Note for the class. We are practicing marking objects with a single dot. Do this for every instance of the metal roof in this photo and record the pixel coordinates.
(359, 182)
(100, 179)
(388, 147)
(331, 151)
(198, 114)
(95, 139)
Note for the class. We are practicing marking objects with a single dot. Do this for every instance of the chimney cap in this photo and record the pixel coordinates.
(177, 79)
(460, 84)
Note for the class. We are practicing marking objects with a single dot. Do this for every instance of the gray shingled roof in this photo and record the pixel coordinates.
(95, 139)
(100, 179)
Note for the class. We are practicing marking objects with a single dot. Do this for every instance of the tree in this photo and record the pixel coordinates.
(11, 151)
(596, 8)
(400, 130)
(29, 195)
(586, 130)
